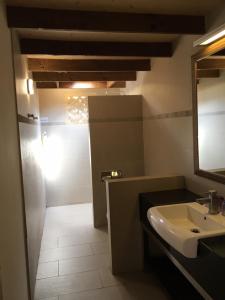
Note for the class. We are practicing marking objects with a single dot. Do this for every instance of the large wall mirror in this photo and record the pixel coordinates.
(209, 111)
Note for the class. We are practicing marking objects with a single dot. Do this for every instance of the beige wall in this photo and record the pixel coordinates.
(167, 110)
(59, 93)
(1, 295)
(116, 143)
(25, 103)
(168, 131)
(167, 118)
(125, 232)
(216, 18)
(66, 150)
(34, 193)
(12, 233)
(31, 153)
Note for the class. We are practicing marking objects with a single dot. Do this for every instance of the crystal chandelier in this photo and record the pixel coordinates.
(77, 109)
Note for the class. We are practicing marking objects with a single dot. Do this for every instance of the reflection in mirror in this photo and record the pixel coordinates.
(211, 113)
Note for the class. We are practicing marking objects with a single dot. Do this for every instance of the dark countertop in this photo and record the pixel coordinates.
(215, 244)
(169, 197)
(209, 267)
(151, 199)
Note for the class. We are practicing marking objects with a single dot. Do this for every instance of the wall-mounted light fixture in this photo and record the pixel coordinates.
(211, 37)
(30, 86)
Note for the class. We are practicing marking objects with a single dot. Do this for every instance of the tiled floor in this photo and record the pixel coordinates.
(74, 262)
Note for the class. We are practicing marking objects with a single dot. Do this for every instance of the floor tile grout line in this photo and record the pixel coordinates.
(39, 263)
(45, 262)
(78, 244)
(100, 277)
(95, 230)
(100, 288)
(83, 291)
(78, 257)
(73, 245)
(69, 258)
(37, 279)
(91, 249)
(80, 292)
(93, 253)
(72, 274)
(82, 272)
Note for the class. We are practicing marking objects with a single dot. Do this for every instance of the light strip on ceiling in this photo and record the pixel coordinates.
(211, 37)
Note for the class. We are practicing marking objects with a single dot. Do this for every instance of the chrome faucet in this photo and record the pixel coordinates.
(213, 201)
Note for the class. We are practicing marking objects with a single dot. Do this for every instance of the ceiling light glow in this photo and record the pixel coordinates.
(83, 85)
(211, 36)
(214, 38)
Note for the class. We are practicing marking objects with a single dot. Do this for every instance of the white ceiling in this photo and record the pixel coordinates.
(194, 7)
(95, 36)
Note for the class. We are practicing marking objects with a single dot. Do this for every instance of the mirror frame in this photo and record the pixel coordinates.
(205, 52)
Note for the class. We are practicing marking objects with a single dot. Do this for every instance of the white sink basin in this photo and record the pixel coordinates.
(182, 225)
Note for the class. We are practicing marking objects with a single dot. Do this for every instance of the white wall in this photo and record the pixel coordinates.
(116, 133)
(31, 151)
(67, 151)
(124, 226)
(167, 89)
(12, 233)
(167, 109)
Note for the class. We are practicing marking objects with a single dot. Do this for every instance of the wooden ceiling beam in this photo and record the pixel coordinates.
(28, 17)
(46, 85)
(84, 76)
(208, 73)
(72, 85)
(58, 47)
(211, 64)
(88, 65)
(220, 53)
